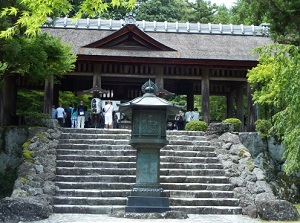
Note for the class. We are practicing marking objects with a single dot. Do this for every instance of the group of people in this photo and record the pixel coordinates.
(79, 117)
(181, 119)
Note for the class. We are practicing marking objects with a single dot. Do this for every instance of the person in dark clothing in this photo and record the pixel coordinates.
(180, 123)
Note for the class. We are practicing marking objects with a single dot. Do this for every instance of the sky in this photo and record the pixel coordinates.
(227, 3)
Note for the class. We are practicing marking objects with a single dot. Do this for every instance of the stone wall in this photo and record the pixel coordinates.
(252, 165)
(34, 188)
(11, 141)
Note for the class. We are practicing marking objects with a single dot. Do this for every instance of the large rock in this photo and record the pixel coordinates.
(13, 210)
(276, 210)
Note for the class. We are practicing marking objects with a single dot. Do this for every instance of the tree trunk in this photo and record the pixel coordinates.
(8, 100)
(48, 95)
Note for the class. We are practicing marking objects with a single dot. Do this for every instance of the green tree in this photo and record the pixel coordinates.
(27, 16)
(222, 15)
(201, 11)
(276, 81)
(284, 17)
(160, 11)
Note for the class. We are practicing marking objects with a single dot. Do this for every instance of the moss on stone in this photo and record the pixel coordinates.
(27, 154)
(250, 165)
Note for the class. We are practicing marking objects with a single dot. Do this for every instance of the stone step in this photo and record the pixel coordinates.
(204, 202)
(96, 131)
(95, 141)
(166, 159)
(126, 193)
(133, 153)
(97, 158)
(94, 136)
(132, 178)
(126, 142)
(87, 209)
(127, 131)
(123, 200)
(90, 200)
(128, 186)
(208, 209)
(77, 135)
(131, 171)
(107, 164)
(96, 152)
(128, 147)
(96, 172)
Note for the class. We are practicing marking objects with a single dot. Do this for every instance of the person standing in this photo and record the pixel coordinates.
(108, 114)
(68, 116)
(196, 115)
(188, 116)
(74, 117)
(81, 115)
(53, 112)
(180, 121)
(60, 113)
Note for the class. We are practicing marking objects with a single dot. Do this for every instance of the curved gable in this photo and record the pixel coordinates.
(129, 37)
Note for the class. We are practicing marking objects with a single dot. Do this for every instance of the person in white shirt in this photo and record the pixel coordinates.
(60, 114)
(188, 116)
(196, 115)
(108, 114)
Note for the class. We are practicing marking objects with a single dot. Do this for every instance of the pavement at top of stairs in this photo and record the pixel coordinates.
(193, 218)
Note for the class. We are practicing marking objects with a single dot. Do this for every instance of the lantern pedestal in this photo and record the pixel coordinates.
(148, 135)
(146, 195)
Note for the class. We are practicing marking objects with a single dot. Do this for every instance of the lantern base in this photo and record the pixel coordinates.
(146, 204)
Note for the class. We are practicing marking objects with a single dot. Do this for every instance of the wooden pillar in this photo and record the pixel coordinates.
(251, 110)
(190, 99)
(97, 76)
(159, 77)
(48, 94)
(205, 95)
(97, 80)
(230, 104)
(239, 106)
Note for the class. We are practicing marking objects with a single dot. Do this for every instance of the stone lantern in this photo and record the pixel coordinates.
(148, 115)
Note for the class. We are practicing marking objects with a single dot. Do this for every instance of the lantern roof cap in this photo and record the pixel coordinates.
(149, 100)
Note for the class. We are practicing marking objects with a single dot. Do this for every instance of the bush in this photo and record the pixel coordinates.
(196, 126)
(35, 118)
(263, 127)
(235, 122)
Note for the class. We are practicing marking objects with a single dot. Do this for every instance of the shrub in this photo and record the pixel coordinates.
(263, 127)
(196, 126)
(234, 121)
(35, 118)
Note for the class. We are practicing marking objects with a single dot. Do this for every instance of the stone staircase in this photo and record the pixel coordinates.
(96, 170)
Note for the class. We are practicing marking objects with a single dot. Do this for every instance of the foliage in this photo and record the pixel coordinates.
(35, 118)
(39, 57)
(35, 100)
(234, 121)
(283, 16)
(28, 16)
(201, 11)
(160, 11)
(217, 107)
(263, 127)
(196, 126)
(276, 81)
(7, 180)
